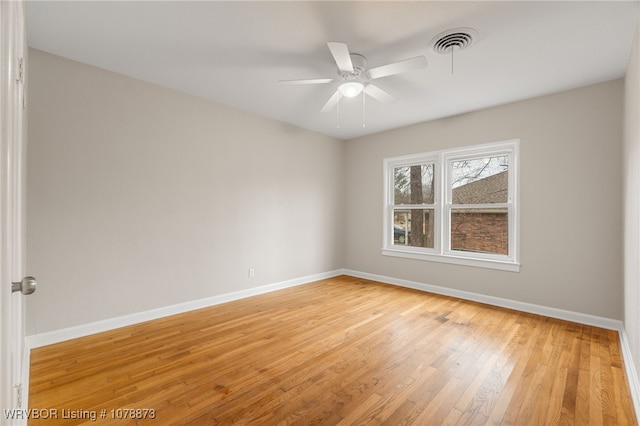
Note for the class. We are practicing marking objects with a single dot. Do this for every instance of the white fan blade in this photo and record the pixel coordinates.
(309, 81)
(378, 94)
(333, 100)
(398, 67)
(340, 53)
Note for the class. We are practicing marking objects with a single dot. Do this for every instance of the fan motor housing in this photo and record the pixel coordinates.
(359, 63)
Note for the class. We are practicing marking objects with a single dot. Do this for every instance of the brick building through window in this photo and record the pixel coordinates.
(484, 230)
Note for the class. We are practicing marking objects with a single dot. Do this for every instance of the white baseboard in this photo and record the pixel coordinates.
(24, 381)
(48, 338)
(57, 336)
(546, 311)
(630, 369)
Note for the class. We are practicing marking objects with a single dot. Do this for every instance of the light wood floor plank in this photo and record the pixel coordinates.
(341, 351)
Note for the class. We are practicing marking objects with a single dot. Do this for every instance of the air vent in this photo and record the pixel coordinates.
(457, 38)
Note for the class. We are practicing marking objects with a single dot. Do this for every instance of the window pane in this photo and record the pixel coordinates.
(413, 227)
(413, 184)
(480, 230)
(480, 180)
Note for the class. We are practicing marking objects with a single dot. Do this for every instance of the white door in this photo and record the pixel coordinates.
(12, 160)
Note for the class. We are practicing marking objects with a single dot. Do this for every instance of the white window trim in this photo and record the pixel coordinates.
(442, 205)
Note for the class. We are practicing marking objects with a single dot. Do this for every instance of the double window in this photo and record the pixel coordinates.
(456, 206)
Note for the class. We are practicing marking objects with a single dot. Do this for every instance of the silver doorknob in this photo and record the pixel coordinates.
(26, 286)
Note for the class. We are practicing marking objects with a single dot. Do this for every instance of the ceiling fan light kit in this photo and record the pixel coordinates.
(351, 89)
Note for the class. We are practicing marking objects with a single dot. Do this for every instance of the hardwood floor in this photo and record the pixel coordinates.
(340, 351)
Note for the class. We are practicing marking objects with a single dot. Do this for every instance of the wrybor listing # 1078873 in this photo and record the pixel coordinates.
(79, 414)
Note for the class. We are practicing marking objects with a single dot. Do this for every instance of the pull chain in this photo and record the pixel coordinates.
(452, 49)
(338, 114)
(363, 109)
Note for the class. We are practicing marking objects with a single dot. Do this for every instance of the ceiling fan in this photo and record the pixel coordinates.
(355, 77)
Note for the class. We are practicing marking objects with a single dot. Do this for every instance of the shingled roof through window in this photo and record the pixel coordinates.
(492, 189)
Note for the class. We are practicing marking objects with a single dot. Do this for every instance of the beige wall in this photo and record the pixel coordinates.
(140, 197)
(632, 201)
(571, 180)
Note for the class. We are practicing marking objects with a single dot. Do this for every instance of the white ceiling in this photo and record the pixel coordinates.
(235, 52)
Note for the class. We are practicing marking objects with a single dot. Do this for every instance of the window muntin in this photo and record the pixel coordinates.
(474, 222)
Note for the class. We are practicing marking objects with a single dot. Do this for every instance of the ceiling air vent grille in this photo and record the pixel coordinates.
(458, 38)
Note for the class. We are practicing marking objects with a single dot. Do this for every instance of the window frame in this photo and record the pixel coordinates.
(407, 162)
(443, 205)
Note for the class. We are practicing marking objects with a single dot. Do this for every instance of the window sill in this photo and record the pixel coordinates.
(456, 260)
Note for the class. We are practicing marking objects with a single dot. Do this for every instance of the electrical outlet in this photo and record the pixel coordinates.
(252, 272)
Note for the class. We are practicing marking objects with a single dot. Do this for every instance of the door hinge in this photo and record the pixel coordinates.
(18, 399)
(20, 78)
(20, 69)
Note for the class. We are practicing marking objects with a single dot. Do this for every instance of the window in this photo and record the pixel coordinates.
(455, 206)
(413, 205)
